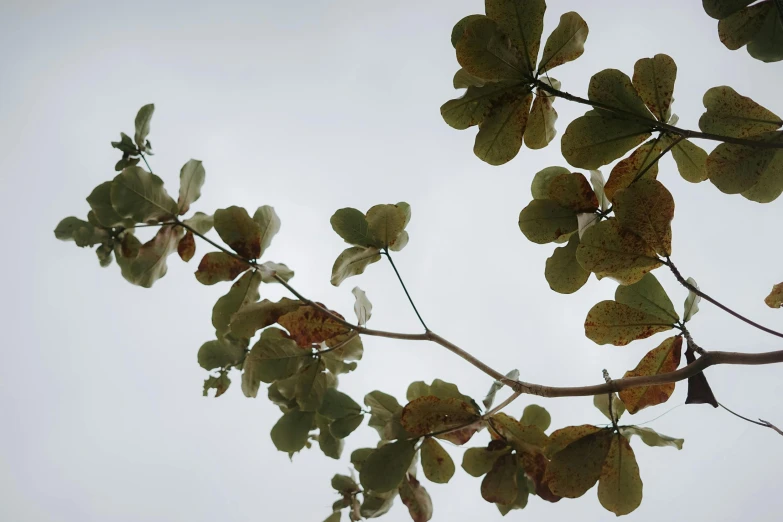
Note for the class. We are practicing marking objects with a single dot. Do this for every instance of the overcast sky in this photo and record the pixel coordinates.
(310, 107)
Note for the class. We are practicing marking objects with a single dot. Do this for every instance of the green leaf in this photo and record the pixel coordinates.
(140, 196)
(576, 468)
(471, 108)
(563, 272)
(385, 223)
(651, 437)
(375, 505)
(352, 261)
(359, 456)
(540, 128)
(239, 231)
(344, 426)
(608, 250)
(544, 221)
(149, 265)
(767, 46)
(200, 222)
(573, 191)
(143, 118)
(436, 462)
(463, 79)
(620, 486)
(290, 433)
(386, 467)
(429, 414)
(521, 437)
(602, 403)
(539, 188)
(337, 405)
(535, 415)
(755, 173)
(625, 171)
(275, 269)
(272, 358)
(220, 384)
(104, 253)
(502, 130)
(416, 499)
(722, 8)
(566, 43)
(257, 315)
(331, 446)
(478, 461)
(560, 439)
(125, 144)
(523, 22)
(731, 114)
(191, 179)
(220, 353)
(614, 88)
(459, 28)
(741, 27)
(663, 359)
(334, 517)
(242, 293)
(614, 323)
(81, 232)
(500, 484)
(484, 51)
(100, 203)
(345, 348)
(311, 385)
(773, 300)
(384, 414)
(653, 79)
(597, 139)
(351, 225)
(691, 161)
(648, 295)
(269, 223)
(522, 494)
(691, 302)
(219, 266)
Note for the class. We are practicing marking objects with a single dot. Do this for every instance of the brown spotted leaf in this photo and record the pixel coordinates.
(566, 43)
(502, 130)
(576, 468)
(478, 461)
(308, 325)
(610, 322)
(436, 462)
(187, 247)
(540, 128)
(523, 22)
(731, 114)
(573, 191)
(429, 414)
(663, 359)
(219, 266)
(239, 231)
(535, 464)
(646, 208)
(775, 297)
(620, 486)
(544, 221)
(255, 316)
(653, 79)
(522, 437)
(500, 484)
(561, 438)
(629, 168)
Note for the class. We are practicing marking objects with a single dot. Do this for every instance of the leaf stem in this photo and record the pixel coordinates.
(385, 251)
(657, 158)
(668, 262)
(654, 124)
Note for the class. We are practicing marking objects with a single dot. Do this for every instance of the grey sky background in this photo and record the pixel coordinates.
(310, 107)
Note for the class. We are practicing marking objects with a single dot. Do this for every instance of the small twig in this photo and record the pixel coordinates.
(608, 380)
(657, 158)
(759, 422)
(399, 278)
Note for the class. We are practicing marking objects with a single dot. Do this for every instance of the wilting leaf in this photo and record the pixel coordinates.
(219, 266)
(377, 504)
(609, 322)
(271, 269)
(566, 43)
(699, 391)
(416, 499)
(289, 434)
(523, 22)
(100, 203)
(484, 51)
(653, 79)
(539, 188)
(620, 486)
(493, 390)
(602, 403)
(755, 173)
(520, 436)
(186, 248)
(149, 265)
(430, 414)
(540, 129)
(330, 445)
(731, 114)
(219, 354)
(691, 302)
(362, 306)
(308, 325)
(663, 359)
(651, 437)
(543, 221)
(220, 384)
(239, 231)
(775, 297)
(608, 250)
(691, 161)
(255, 316)
(143, 118)
(626, 171)
(502, 130)
(436, 462)
(535, 415)
(598, 138)
(352, 261)
(386, 467)
(576, 467)
(269, 223)
(573, 191)
(242, 293)
(500, 484)
(191, 179)
(140, 196)
(478, 461)
(598, 182)
(200, 222)
(272, 358)
(648, 295)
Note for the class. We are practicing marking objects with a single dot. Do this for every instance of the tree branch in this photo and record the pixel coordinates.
(759, 422)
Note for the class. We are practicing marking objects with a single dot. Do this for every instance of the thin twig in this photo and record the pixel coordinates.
(662, 154)
(759, 422)
(410, 300)
(668, 262)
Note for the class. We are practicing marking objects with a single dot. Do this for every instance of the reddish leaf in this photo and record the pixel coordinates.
(500, 484)
(219, 266)
(535, 465)
(429, 414)
(308, 325)
(416, 499)
(663, 359)
(187, 247)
